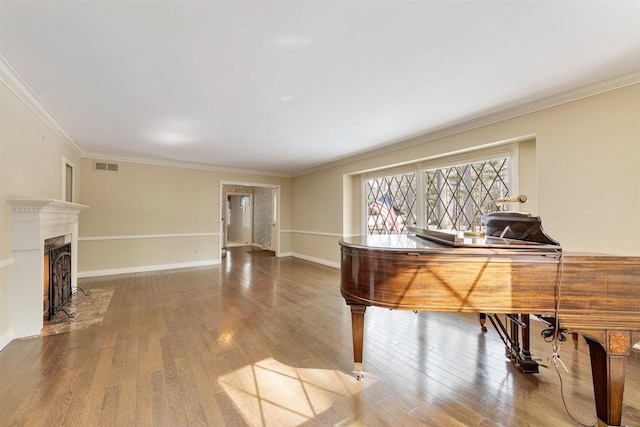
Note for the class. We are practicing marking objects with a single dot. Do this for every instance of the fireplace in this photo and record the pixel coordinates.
(34, 221)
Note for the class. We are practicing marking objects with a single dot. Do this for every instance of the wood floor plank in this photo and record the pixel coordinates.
(86, 408)
(144, 392)
(177, 413)
(15, 357)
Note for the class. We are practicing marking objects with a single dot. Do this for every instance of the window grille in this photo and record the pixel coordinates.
(458, 195)
(391, 202)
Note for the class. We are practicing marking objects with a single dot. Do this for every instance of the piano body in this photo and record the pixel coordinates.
(514, 269)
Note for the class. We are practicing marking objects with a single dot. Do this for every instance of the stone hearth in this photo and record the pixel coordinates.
(88, 310)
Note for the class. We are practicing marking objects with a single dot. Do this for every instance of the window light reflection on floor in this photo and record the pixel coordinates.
(270, 393)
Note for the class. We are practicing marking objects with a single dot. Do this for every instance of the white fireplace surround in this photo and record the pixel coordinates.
(32, 222)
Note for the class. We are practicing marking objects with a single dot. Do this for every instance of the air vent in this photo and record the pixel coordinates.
(102, 166)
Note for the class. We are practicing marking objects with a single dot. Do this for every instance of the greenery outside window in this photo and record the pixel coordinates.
(456, 196)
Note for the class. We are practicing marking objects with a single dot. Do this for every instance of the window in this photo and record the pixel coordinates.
(456, 196)
(448, 193)
(391, 203)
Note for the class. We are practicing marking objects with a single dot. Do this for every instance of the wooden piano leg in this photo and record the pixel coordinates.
(525, 361)
(608, 370)
(514, 354)
(357, 330)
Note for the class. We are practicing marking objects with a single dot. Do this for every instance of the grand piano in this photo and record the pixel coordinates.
(513, 269)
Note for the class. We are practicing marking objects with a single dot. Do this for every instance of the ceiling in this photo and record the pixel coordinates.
(286, 86)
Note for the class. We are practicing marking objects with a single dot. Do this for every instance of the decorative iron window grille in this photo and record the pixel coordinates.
(391, 202)
(456, 196)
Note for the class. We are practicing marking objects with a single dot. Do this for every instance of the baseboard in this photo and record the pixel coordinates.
(5, 339)
(146, 268)
(316, 260)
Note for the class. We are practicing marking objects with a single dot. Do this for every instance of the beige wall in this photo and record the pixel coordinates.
(31, 165)
(581, 171)
(147, 217)
(318, 215)
(527, 176)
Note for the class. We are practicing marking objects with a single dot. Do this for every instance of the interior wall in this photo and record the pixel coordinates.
(527, 176)
(352, 215)
(150, 217)
(31, 165)
(582, 182)
(318, 215)
(146, 216)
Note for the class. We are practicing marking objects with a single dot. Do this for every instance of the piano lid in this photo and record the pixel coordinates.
(517, 225)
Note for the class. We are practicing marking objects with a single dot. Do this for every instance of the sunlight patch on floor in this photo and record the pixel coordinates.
(270, 393)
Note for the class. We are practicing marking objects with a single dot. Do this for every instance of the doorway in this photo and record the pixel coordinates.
(263, 216)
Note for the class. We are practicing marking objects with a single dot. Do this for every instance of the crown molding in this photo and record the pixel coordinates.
(468, 124)
(177, 164)
(21, 89)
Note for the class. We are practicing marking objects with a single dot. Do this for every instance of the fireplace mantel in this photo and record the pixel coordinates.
(32, 222)
(34, 205)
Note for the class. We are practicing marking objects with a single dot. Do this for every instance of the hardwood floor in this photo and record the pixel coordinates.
(262, 341)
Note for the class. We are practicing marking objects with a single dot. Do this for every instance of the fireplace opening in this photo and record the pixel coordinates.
(59, 279)
(49, 244)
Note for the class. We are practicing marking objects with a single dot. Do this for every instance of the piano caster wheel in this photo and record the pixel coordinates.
(482, 319)
(357, 369)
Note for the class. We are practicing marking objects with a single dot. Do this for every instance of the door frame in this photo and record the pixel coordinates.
(222, 203)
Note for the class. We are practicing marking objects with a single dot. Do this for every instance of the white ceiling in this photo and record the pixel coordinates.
(284, 86)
